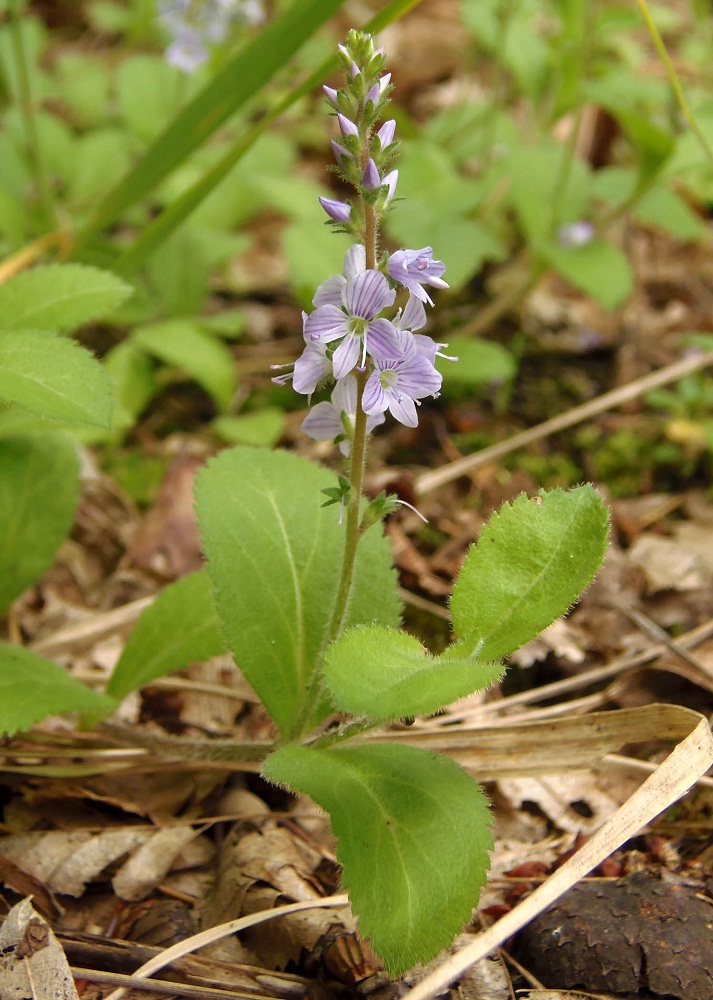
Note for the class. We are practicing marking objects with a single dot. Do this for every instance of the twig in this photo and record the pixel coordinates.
(624, 394)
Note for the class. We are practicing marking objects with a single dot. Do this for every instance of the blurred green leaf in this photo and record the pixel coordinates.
(59, 297)
(598, 268)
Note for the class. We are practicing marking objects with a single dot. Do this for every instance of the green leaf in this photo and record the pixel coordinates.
(667, 210)
(59, 297)
(32, 688)
(414, 834)
(55, 377)
(274, 557)
(263, 428)
(181, 342)
(479, 362)
(653, 145)
(386, 674)
(532, 561)
(536, 175)
(598, 268)
(39, 490)
(147, 89)
(180, 627)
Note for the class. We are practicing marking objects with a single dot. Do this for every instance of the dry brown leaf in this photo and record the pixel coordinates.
(147, 867)
(671, 563)
(32, 963)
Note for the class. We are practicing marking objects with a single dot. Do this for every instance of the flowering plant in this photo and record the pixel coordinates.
(307, 599)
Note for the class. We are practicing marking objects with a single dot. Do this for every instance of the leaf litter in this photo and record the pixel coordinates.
(96, 824)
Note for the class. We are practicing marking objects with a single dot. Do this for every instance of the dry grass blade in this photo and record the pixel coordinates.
(687, 762)
(607, 401)
(224, 930)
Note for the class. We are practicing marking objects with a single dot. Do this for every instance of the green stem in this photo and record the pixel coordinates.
(32, 143)
(673, 79)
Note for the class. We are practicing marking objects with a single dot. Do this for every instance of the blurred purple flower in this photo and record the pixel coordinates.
(414, 268)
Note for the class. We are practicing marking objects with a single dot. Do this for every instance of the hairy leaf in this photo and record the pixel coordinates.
(532, 561)
(180, 627)
(414, 833)
(39, 489)
(59, 297)
(55, 377)
(274, 556)
(32, 688)
(386, 674)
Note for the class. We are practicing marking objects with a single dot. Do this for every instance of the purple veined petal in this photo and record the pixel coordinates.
(367, 294)
(384, 82)
(344, 396)
(382, 340)
(325, 324)
(323, 422)
(311, 367)
(390, 182)
(332, 95)
(329, 292)
(373, 400)
(354, 261)
(373, 95)
(374, 420)
(403, 409)
(347, 126)
(413, 316)
(370, 179)
(340, 211)
(385, 135)
(346, 356)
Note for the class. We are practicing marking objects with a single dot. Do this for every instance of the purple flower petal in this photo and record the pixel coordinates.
(323, 422)
(347, 126)
(330, 292)
(332, 95)
(340, 211)
(354, 261)
(383, 342)
(370, 179)
(385, 135)
(310, 368)
(367, 294)
(325, 324)
(346, 356)
(414, 268)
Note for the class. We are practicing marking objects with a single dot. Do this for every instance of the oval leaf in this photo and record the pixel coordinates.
(386, 674)
(180, 627)
(55, 377)
(274, 557)
(31, 688)
(414, 835)
(39, 489)
(533, 560)
(60, 297)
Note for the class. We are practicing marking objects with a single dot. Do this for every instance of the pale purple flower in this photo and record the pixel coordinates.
(330, 291)
(308, 371)
(332, 95)
(371, 180)
(575, 234)
(346, 126)
(327, 421)
(355, 322)
(386, 133)
(340, 153)
(413, 317)
(340, 211)
(397, 384)
(390, 182)
(414, 268)
(187, 51)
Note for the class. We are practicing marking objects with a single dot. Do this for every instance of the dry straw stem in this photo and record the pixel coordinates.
(672, 779)
(207, 937)
(624, 394)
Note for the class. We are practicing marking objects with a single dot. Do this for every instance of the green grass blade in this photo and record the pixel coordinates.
(228, 91)
(169, 220)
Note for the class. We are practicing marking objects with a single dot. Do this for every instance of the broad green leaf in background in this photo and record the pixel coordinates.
(413, 837)
(31, 688)
(598, 268)
(538, 192)
(532, 561)
(147, 89)
(262, 428)
(132, 371)
(386, 674)
(55, 377)
(39, 490)
(183, 343)
(274, 556)
(479, 362)
(180, 627)
(59, 297)
(653, 145)
(667, 210)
